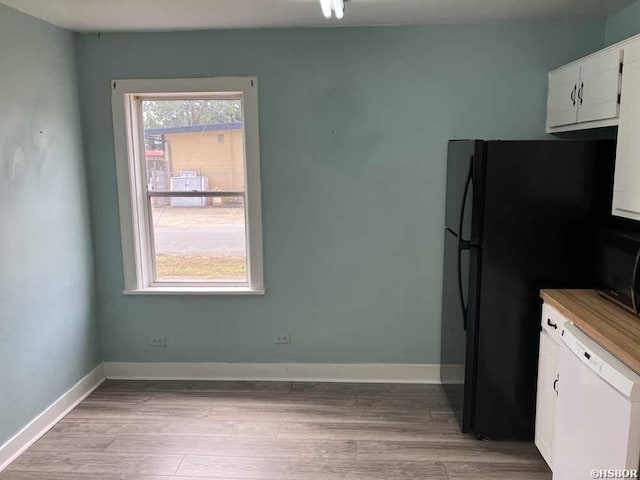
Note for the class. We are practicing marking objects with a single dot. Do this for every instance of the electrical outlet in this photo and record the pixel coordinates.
(158, 341)
(282, 339)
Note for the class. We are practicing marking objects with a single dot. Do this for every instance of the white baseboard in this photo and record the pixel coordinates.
(299, 372)
(49, 417)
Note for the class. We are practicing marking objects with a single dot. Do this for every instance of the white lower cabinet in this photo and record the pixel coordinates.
(547, 394)
(546, 401)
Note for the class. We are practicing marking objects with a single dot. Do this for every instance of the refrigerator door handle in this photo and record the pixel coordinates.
(460, 291)
(463, 244)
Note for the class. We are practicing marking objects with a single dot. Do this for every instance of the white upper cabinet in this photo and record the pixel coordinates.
(626, 188)
(562, 108)
(585, 93)
(599, 87)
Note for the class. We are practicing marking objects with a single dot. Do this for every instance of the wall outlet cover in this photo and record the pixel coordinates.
(282, 339)
(158, 341)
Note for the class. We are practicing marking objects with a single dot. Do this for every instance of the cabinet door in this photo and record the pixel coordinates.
(626, 188)
(599, 87)
(562, 104)
(546, 396)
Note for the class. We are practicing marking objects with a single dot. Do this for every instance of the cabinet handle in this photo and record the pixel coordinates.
(580, 92)
(555, 384)
(573, 95)
(551, 324)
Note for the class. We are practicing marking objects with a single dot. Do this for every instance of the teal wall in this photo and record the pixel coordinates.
(623, 24)
(48, 326)
(354, 125)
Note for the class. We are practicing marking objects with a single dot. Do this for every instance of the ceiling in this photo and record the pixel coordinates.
(144, 15)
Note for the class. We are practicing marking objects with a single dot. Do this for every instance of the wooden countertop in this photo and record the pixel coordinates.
(613, 327)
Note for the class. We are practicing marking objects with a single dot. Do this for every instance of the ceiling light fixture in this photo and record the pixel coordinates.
(335, 6)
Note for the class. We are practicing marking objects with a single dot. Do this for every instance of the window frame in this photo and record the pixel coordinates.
(133, 198)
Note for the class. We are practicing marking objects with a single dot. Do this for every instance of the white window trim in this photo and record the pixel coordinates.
(136, 245)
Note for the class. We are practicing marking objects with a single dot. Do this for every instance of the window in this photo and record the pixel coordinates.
(188, 168)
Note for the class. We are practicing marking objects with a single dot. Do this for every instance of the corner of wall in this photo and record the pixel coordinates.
(622, 24)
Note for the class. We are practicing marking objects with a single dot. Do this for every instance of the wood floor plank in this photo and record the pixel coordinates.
(202, 404)
(256, 413)
(227, 447)
(53, 442)
(238, 386)
(194, 386)
(366, 388)
(250, 399)
(133, 396)
(145, 386)
(367, 431)
(154, 426)
(90, 412)
(314, 413)
(112, 404)
(441, 418)
(404, 402)
(91, 463)
(301, 469)
(461, 449)
(15, 475)
(497, 471)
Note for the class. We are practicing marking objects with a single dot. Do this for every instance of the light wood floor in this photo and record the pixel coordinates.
(268, 431)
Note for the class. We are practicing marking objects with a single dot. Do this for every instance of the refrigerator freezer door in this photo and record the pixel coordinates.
(460, 187)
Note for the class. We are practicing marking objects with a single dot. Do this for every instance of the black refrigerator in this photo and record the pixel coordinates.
(520, 216)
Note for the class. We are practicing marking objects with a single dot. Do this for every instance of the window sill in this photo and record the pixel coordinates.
(195, 291)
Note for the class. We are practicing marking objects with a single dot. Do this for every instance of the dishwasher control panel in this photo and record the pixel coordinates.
(594, 362)
(608, 367)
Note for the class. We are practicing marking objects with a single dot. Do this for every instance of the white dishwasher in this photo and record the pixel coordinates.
(598, 413)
